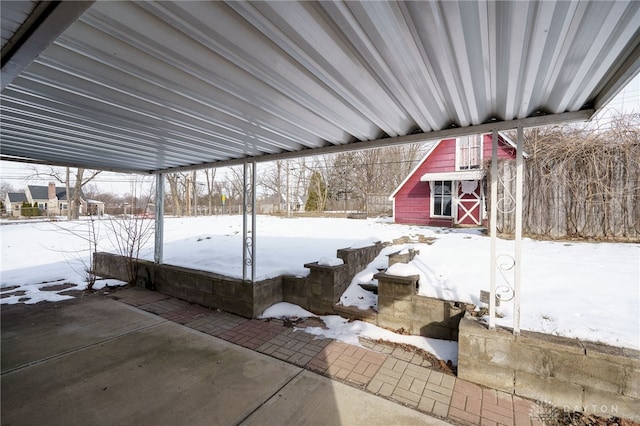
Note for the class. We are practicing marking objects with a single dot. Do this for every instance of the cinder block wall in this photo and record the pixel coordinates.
(568, 373)
(319, 292)
(205, 288)
(399, 307)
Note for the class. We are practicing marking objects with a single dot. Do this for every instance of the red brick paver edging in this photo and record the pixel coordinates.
(396, 374)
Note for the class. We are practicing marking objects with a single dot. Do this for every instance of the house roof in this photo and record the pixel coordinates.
(17, 197)
(161, 86)
(42, 192)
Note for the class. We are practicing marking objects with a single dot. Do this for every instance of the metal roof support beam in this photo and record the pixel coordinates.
(36, 34)
(518, 237)
(249, 223)
(538, 121)
(159, 218)
(493, 226)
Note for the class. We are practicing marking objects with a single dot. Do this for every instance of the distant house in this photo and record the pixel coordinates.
(51, 200)
(271, 204)
(447, 187)
(13, 203)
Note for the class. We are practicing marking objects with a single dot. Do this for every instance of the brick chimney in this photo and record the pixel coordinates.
(52, 190)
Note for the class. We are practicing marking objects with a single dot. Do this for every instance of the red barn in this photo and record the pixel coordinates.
(447, 187)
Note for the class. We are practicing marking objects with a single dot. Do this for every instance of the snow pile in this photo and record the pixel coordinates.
(286, 310)
(403, 270)
(330, 261)
(586, 290)
(589, 291)
(341, 329)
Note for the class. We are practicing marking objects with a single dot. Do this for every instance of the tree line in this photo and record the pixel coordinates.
(344, 181)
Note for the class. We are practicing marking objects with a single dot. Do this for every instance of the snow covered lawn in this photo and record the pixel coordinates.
(585, 290)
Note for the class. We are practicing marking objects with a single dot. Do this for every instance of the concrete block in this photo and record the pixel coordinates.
(487, 374)
(385, 308)
(385, 289)
(434, 331)
(393, 323)
(422, 309)
(403, 308)
(624, 357)
(429, 309)
(473, 346)
(403, 291)
(631, 353)
(555, 391)
(193, 296)
(320, 307)
(297, 300)
(473, 326)
(225, 289)
(453, 314)
(607, 404)
(632, 383)
(599, 350)
(212, 301)
(316, 290)
(588, 371)
(550, 342)
(499, 351)
(240, 307)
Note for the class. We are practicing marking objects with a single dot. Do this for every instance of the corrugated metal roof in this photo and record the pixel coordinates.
(14, 14)
(153, 86)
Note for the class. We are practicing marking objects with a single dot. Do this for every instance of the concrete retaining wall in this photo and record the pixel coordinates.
(205, 288)
(399, 307)
(319, 292)
(568, 373)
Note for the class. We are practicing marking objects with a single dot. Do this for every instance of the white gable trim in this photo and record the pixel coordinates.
(395, 191)
(511, 143)
(460, 175)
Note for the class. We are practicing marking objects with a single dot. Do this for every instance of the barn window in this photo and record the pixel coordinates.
(441, 198)
(469, 152)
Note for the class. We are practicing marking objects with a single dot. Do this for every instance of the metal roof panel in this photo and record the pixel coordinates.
(153, 86)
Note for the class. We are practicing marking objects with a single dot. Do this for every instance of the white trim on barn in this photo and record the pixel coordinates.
(433, 146)
(461, 175)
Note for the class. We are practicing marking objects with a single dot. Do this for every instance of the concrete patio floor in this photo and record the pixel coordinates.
(96, 361)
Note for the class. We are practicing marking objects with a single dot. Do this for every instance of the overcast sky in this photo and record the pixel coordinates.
(19, 174)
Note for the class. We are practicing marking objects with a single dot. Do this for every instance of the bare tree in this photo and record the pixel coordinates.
(81, 177)
(210, 177)
(272, 180)
(89, 232)
(175, 181)
(234, 185)
(5, 188)
(128, 234)
(355, 177)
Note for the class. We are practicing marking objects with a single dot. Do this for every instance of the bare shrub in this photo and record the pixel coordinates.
(129, 233)
(580, 182)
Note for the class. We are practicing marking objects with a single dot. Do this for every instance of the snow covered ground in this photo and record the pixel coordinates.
(585, 290)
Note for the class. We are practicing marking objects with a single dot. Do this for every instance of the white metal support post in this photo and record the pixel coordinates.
(518, 236)
(249, 224)
(493, 229)
(159, 219)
